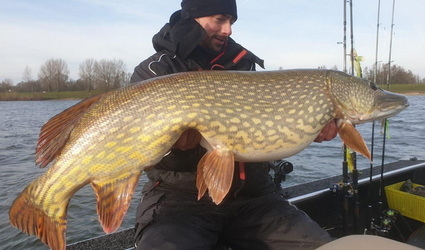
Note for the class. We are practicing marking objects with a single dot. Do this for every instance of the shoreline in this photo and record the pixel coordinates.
(412, 93)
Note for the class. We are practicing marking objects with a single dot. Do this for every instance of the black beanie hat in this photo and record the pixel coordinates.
(201, 8)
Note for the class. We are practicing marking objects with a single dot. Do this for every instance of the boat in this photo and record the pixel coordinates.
(355, 203)
(336, 205)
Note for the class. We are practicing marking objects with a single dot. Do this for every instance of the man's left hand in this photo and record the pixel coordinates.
(328, 132)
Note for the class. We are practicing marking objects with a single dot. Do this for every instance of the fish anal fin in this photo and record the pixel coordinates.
(32, 220)
(353, 139)
(113, 200)
(215, 173)
(55, 133)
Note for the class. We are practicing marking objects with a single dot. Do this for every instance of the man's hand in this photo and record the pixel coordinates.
(188, 140)
(328, 132)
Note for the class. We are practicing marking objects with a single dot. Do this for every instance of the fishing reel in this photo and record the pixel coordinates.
(388, 221)
(336, 188)
(341, 187)
(281, 169)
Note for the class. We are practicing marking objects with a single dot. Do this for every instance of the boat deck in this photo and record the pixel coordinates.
(319, 202)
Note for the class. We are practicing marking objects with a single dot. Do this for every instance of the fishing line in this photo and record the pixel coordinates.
(369, 198)
(381, 180)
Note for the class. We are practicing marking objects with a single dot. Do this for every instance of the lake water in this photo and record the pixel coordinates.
(20, 123)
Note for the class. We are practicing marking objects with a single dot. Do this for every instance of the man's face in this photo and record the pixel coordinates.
(218, 28)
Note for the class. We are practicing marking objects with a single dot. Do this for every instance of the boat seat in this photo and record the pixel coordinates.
(366, 242)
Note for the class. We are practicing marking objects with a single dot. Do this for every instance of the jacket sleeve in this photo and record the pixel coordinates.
(159, 64)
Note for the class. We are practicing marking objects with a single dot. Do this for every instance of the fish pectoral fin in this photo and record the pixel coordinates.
(215, 173)
(34, 220)
(55, 133)
(353, 139)
(113, 200)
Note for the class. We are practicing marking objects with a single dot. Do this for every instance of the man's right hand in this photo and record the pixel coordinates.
(188, 140)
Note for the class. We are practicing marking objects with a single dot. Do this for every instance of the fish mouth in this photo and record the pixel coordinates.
(386, 105)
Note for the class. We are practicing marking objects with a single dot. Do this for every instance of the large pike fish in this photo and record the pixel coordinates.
(110, 139)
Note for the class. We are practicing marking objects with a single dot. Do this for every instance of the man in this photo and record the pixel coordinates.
(253, 215)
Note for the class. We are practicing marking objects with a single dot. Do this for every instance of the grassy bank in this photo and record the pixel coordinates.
(37, 96)
(406, 88)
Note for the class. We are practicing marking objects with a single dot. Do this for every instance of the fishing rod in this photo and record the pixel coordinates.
(391, 45)
(345, 178)
(349, 193)
(369, 219)
(355, 175)
(388, 216)
(385, 122)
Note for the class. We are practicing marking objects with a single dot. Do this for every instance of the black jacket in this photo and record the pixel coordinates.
(178, 51)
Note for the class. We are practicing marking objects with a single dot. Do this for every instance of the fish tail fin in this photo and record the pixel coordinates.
(33, 220)
(215, 172)
(113, 200)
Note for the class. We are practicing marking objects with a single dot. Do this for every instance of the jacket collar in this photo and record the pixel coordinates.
(182, 36)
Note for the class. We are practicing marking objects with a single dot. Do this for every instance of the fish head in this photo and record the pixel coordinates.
(359, 100)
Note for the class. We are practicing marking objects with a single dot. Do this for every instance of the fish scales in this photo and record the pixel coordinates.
(245, 116)
(230, 113)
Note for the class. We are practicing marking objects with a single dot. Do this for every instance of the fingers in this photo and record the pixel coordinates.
(188, 140)
(328, 132)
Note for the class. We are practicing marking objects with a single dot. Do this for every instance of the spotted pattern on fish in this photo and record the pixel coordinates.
(109, 140)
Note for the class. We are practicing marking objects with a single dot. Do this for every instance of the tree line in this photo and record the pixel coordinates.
(53, 76)
(398, 75)
(106, 75)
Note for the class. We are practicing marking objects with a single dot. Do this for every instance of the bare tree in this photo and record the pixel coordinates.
(87, 73)
(399, 75)
(54, 74)
(27, 76)
(110, 74)
(103, 72)
(28, 84)
(120, 75)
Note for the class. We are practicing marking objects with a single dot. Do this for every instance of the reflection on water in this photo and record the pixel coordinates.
(21, 122)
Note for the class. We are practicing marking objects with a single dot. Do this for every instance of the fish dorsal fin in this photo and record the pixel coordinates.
(55, 133)
(352, 138)
(215, 173)
(113, 200)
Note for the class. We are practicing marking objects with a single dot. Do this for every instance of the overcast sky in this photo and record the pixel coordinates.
(285, 33)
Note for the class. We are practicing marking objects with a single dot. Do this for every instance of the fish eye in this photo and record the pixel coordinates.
(373, 85)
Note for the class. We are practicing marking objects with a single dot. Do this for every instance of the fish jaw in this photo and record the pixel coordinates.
(361, 101)
(387, 105)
